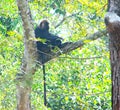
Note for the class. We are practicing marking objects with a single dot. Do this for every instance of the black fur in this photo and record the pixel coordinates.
(42, 31)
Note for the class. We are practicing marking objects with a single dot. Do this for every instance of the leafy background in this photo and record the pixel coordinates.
(79, 80)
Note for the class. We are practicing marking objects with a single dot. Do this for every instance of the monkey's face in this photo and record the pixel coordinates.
(44, 25)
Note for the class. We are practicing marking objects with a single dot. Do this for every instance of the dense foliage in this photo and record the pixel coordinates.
(79, 80)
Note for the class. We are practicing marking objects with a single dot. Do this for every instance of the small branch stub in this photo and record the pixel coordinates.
(112, 21)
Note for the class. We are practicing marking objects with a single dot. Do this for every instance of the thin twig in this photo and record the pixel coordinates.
(66, 17)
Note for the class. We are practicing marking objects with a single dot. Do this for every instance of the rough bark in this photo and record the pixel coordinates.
(24, 78)
(112, 21)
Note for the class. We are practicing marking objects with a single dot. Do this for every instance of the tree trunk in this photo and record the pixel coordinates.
(112, 21)
(24, 77)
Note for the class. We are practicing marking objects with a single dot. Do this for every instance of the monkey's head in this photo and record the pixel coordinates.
(44, 25)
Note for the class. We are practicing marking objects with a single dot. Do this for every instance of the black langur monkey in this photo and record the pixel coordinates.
(51, 41)
(42, 31)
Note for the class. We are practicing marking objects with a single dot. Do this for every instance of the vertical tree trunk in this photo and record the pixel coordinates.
(112, 21)
(24, 78)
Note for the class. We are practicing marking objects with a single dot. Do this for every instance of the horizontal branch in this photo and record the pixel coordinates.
(70, 46)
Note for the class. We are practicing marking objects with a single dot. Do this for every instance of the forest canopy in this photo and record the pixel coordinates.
(81, 78)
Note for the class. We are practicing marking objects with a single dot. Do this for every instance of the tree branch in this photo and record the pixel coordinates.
(70, 46)
(64, 18)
